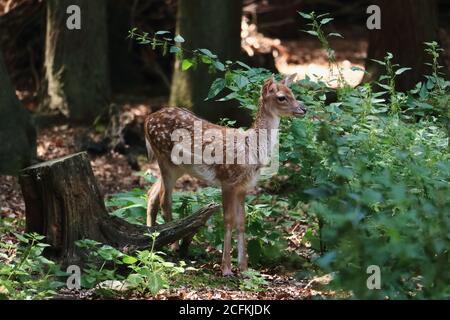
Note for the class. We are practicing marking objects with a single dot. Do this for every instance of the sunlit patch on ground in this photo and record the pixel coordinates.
(305, 56)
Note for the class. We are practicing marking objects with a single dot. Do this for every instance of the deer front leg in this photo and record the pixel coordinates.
(229, 211)
(153, 203)
(240, 224)
(167, 185)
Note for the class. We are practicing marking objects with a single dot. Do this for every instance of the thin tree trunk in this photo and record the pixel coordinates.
(214, 25)
(64, 204)
(405, 26)
(17, 132)
(76, 61)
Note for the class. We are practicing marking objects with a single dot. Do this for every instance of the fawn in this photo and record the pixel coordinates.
(234, 178)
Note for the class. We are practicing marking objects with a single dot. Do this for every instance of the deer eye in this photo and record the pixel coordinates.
(281, 98)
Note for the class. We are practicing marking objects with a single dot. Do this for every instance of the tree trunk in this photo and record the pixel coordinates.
(214, 25)
(63, 203)
(17, 132)
(405, 26)
(76, 61)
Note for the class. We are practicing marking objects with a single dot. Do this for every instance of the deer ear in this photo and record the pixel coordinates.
(268, 86)
(289, 79)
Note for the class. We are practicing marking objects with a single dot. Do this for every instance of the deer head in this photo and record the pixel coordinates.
(279, 100)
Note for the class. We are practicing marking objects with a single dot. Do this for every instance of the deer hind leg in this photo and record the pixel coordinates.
(240, 226)
(229, 212)
(153, 203)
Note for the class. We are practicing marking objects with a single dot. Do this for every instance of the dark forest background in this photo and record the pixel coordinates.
(139, 70)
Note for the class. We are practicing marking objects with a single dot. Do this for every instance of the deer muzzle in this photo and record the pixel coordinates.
(300, 110)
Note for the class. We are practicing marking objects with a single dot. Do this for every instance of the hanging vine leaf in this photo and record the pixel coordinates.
(186, 64)
(178, 39)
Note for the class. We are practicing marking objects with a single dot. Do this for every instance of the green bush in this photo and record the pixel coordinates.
(25, 274)
(376, 171)
(147, 270)
(372, 171)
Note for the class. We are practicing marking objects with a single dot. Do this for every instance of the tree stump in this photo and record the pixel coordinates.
(64, 204)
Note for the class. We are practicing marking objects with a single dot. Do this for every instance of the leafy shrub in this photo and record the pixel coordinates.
(252, 281)
(148, 270)
(26, 274)
(98, 254)
(377, 179)
(131, 206)
(151, 272)
(373, 169)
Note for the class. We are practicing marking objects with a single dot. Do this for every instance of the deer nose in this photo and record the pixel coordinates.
(300, 110)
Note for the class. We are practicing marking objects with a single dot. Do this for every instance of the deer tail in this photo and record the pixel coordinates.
(150, 153)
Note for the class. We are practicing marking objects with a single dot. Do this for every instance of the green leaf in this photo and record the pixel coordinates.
(132, 33)
(424, 105)
(379, 62)
(179, 39)
(243, 65)
(155, 283)
(240, 81)
(305, 15)
(326, 20)
(207, 53)
(135, 279)
(129, 260)
(430, 83)
(158, 33)
(231, 96)
(144, 41)
(217, 86)
(219, 65)
(175, 49)
(401, 70)
(108, 253)
(384, 86)
(21, 237)
(311, 32)
(186, 64)
(335, 34)
(206, 59)
(423, 92)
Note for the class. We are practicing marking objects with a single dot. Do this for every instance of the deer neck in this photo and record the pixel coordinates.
(269, 122)
(265, 119)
